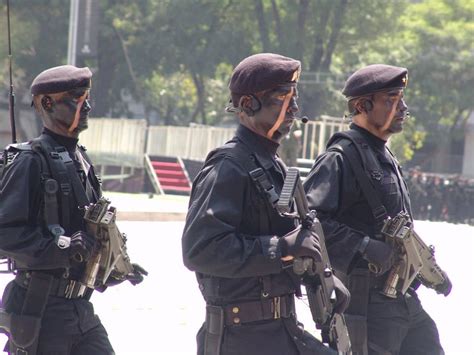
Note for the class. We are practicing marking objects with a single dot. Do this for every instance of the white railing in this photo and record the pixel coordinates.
(193, 142)
(112, 141)
(122, 141)
(317, 133)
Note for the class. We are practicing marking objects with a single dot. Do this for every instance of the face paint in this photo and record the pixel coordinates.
(388, 114)
(282, 114)
(69, 112)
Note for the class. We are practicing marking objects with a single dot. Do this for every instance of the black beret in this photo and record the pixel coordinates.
(60, 79)
(262, 72)
(373, 78)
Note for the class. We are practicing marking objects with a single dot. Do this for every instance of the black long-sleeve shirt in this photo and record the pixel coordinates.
(23, 232)
(333, 191)
(224, 239)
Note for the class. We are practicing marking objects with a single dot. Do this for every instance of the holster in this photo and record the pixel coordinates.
(358, 284)
(24, 328)
(214, 330)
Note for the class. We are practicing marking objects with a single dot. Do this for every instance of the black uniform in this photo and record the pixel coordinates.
(230, 241)
(400, 325)
(68, 325)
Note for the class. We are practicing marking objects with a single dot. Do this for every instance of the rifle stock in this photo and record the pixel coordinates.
(317, 276)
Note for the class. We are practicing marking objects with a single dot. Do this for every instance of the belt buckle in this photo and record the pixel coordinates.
(276, 303)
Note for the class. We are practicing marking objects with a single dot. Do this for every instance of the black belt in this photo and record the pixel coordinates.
(265, 309)
(60, 287)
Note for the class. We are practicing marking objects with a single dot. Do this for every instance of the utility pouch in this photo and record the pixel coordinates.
(358, 284)
(214, 330)
(357, 327)
(24, 330)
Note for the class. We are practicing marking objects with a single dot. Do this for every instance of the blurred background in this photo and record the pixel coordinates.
(161, 69)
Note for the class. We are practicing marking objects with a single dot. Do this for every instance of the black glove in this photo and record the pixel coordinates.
(300, 242)
(380, 254)
(343, 296)
(137, 275)
(81, 247)
(445, 287)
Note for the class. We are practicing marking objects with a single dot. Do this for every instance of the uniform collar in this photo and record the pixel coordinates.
(263, 148)
(69, 143)
(374, 140)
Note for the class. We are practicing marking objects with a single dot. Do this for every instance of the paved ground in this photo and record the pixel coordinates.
(162, 315)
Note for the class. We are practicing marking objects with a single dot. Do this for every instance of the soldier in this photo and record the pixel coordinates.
(357, 161)
(45, 185)
(239, 246)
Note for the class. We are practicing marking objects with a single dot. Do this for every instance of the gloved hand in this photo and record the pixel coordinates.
(81, 247)
(343, 296)
(380, 254)
(300, 242)
(137, 275)
(445, 287)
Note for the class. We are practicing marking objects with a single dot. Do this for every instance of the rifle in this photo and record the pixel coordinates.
(415, 260)
(110, 257)
(317, 276)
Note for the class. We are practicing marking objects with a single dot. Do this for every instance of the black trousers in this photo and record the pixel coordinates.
(400, 326)
(68, 327)
(283, 336)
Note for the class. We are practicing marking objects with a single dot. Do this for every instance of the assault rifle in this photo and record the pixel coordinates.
(109, 259)
(415, 260)
(317, 276)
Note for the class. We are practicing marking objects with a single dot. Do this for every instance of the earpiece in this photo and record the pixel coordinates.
(368, 105)
(250, 106)
(47, 103)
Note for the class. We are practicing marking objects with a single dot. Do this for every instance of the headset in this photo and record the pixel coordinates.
(368, 105)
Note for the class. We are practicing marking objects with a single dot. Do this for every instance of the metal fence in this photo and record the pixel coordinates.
(317, 133)
(193, 142)
(122, 141)
(112, 141)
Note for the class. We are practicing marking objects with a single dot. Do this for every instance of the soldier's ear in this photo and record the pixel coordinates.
(245, 103)
(47, 103)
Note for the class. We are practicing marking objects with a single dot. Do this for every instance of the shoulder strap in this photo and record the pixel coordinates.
(356, 161)
(63, 171)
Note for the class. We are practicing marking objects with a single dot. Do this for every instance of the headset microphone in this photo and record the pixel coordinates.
(303, 119)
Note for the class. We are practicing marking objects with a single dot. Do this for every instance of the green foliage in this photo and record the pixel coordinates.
(404, 145)
(175, 56)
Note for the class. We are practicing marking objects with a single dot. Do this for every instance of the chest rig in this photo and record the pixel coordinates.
(366, 168)
(62, 187)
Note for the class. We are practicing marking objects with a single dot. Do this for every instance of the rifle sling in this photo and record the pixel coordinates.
(378, 209)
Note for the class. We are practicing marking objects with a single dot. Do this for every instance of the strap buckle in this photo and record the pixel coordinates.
(380, 212)
(276, 305)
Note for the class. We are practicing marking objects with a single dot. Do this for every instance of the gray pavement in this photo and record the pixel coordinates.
(162, 315)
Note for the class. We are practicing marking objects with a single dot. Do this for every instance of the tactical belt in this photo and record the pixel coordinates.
(265, 309)
(59, 285)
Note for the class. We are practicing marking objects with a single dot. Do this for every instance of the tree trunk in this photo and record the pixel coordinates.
(262, 25)
(318, 52)
(300, 32)
(278, 28)
(201, 102)
(335, 31)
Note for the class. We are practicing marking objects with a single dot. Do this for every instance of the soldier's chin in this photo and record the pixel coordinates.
(82, 126)
(397, 127)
